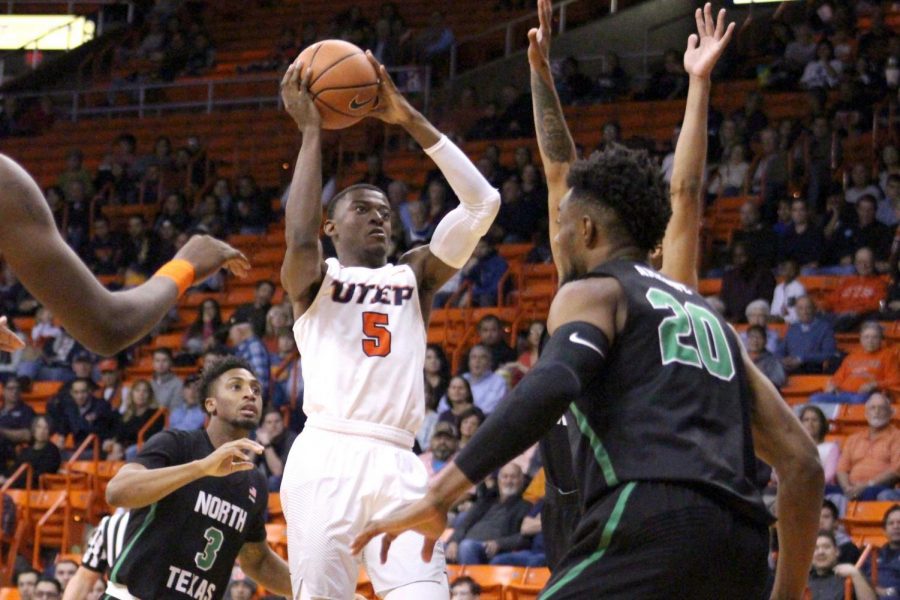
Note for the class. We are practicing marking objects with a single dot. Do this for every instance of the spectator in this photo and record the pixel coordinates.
(457, 400)
(15, 423)
(43, 456)
(469, 422)
(770, 178)
(9, 361)
(437, 370)
(670, 80)
(118, 187)
(488, 388)
(493, 524)
(787, 293)
(276, 440)
(492, 336)
(420, 227)
(529, 357)
(866, 232)
(142, 251)
(51, 589)
(533, 555)
(168, 388)
(824, 71)
(891, 309)
(203, 333)
(175, 58)
(573, 86)
(829, 521)
(44, 330)
(518, 217)
(857, 297)
(287, 368)
(783, 219)
(434, 42)
(111, 387)
(250, 208)
(757, 313)
(890, 165)
(465, 588)
(249, 347)
(815, 423)
(87, 414)
(241, 589)
(862, 371)
(189, 415)
(75, 171)
(25, 583)
(809, 344)
(758, 239)
(743, 283)
(821, 151)
(730, 177)
(103, 251)
(889, 555)
(423, 435)
(762, 358)
(803, 241)
(870, 460)
(201, 56)
(860, 184)
(515, 119)
(612, 81)
(257, 311)
(750, 119)
(442, 448)
(174, 211)
(484, 271)
(826, 579)
(141, 406)
(889, 206)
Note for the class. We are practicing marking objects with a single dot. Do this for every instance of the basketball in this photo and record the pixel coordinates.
(343, 84)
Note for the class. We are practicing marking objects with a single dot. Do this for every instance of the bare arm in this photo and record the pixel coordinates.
(103, 321)
(782, 442)
(262, 565)
(303, 264)
(81, 584)
(681, 242)
(16, 436)
(135, 486)
(554, 139)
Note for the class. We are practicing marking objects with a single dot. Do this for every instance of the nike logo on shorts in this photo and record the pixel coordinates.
(576, 339)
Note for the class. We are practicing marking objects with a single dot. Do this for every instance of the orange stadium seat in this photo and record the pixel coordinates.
(494, 578)
(864, 518)
(534, 581)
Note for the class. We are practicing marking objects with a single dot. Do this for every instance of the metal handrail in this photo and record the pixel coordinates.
(418, 81)
(509, 28)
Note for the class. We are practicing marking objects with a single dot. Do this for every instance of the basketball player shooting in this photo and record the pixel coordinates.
(362, 331)
(105, 322)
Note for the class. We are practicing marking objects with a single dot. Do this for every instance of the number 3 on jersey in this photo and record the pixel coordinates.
(214, 538)
(377, 340)
(710, 348)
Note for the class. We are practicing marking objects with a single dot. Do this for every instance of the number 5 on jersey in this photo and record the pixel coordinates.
(377, 340)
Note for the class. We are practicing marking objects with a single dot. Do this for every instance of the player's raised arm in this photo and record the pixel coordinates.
(458, 233)
(104, 321)
(781, 441)
(554, 140)
(681, 242)
(303, 264)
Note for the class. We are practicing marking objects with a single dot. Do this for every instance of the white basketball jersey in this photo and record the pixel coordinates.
(362, 342)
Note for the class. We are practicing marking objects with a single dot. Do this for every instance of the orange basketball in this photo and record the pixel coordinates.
(343, 84)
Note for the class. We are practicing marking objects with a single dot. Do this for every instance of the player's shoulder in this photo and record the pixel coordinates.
(590, 300)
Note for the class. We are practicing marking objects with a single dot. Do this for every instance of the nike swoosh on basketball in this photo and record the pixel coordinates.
(356, 105)
(576, 339)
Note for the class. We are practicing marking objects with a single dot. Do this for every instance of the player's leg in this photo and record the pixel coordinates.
(318, 494)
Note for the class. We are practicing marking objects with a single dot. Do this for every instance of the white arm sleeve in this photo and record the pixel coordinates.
(458, 233)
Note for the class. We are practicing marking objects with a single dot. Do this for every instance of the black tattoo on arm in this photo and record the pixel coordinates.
(553, 135)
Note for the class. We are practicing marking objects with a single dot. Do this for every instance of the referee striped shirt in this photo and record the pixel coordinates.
(106, 543)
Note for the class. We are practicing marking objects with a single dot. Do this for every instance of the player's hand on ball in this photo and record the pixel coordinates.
(230, 458)
(207, 255)
(421, 516)
(9, 341)
(296, 97)
(706, 46)
(391, 107)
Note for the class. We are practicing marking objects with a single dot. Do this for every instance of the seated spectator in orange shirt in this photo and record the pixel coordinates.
(870, 460)
(859, 296)
(862, 372)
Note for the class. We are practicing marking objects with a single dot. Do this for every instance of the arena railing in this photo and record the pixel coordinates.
(513, 32)
(205, 95)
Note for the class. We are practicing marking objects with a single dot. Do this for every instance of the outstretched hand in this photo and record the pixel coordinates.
(296, 97)
(421, 516)
(9, 341)
(231, 457)
(706, 46)
(539, 38)
(207, 255)
(391, 106)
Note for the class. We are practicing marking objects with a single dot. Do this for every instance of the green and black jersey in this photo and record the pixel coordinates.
(185, 545)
